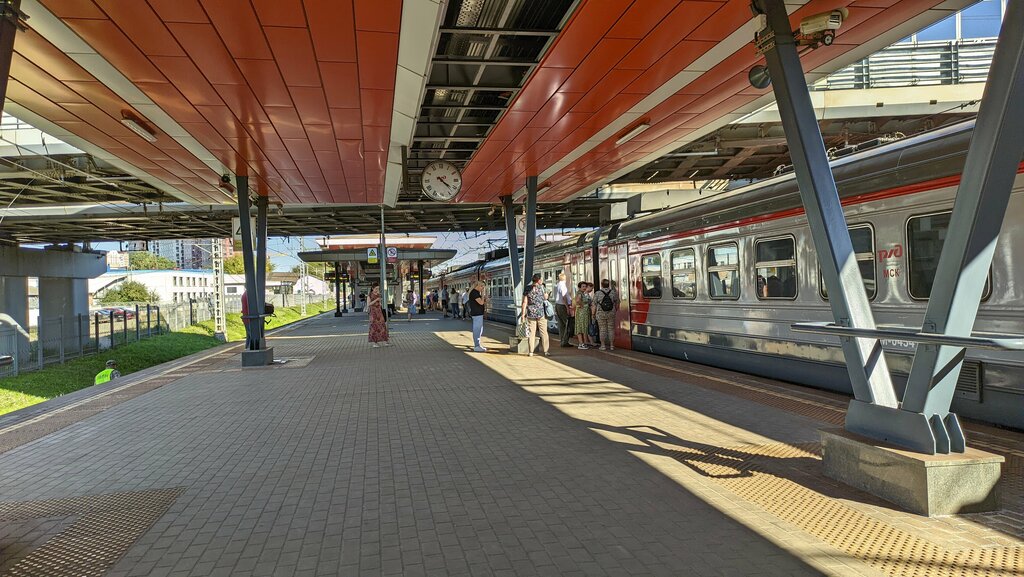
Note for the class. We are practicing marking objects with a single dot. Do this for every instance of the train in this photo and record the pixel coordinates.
(720, 281)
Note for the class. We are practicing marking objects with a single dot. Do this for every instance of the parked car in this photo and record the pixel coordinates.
(117, 312)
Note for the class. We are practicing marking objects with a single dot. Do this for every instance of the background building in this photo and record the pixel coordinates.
(191, 254)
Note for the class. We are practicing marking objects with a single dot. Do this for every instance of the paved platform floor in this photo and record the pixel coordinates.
(428, 459)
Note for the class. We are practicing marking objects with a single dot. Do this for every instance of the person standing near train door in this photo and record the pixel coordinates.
(563, 300)
(477, 300)
(606, 302)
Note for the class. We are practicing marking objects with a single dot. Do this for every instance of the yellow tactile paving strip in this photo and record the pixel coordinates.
(777, 488)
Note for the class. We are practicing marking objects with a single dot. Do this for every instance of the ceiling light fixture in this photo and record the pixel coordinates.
(632, 133)
(137, 126)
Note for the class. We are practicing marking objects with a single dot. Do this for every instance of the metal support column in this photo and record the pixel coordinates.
(513, 253)
(422, 273)
(261, 262)
(344, 294)
(383, 260)
(531, 231)
(252, 341)
(337, 289)
(981, 201)
(11, 20)
(869, 374)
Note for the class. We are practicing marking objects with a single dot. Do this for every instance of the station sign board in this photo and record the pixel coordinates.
(392, 254)
(372, 255)
(521, 230)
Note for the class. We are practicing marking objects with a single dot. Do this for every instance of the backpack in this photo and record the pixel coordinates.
(607, 304)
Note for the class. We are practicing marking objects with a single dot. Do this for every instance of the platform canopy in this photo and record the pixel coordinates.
(314, 100)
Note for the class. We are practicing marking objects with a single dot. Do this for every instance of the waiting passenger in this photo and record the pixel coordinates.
(411, 299)
(533, 314)
(606, 302)
(774, 287)
(378, 332)
(563, 302)
(465, 303)
(476, 301)
(583, 306)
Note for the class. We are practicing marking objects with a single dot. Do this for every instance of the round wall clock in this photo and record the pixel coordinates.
(441, 181)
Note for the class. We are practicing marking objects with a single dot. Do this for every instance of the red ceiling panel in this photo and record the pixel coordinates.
(75, 9)
(293, 47)
(543, 83)
(377, 106)
(265, 80)
(341, 83)
(332, 25)
(380, 51)
(207, 52)
(153, 38)
(588, 25)
(379, 15)
(311, 105)
(242, 103)
(187, 79)
(675, 27)
(321, 137)
(637, 23)
(280, 13)
(179, 10)
(347, 123)
(286, 121)
(46, 85)
(106, 38)
(239, 29)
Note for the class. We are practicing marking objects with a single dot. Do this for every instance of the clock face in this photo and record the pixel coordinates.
(441, 181)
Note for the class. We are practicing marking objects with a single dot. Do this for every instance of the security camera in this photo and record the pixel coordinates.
(225, 178)
(821, 28)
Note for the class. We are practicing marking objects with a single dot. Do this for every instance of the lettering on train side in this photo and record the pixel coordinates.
(895, 252)
(898, 344)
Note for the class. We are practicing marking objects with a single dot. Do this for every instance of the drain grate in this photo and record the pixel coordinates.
(105, 527)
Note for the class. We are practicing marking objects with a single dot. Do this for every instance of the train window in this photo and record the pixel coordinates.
(776, 268)
(863, 238)
(925, 237)
(651, 266)
(724, 271)
(684, 274)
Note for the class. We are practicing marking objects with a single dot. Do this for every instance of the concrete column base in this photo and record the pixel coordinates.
(518, 346)
(924, 484)
(259, 358)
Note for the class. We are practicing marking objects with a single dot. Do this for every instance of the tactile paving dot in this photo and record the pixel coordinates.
(104, 527)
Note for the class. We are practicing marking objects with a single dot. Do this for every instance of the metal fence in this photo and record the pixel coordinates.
(56, 340)
(922, 64)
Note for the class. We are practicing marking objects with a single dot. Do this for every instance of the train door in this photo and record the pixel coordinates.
(616, 269)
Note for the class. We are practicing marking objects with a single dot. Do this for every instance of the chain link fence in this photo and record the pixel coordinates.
(56, 340)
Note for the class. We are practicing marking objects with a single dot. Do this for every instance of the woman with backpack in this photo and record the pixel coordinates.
(606, 303)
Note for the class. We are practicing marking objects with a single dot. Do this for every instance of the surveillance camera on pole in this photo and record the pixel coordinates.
(815, 30)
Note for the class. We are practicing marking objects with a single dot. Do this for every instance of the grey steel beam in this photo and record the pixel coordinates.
(978, 212)
(524, 62)
(10, 21)
(491, 87)
(242, 190)
(513, 250)
(261, 263)
(531, 228)
(496, 31)
(865, 360)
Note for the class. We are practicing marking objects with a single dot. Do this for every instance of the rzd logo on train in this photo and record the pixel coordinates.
(896, 252)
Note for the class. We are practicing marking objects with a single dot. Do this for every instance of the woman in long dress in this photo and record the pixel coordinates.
(378, 324)
(582, 306)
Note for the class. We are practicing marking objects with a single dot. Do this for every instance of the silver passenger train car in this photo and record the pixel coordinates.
(719, 282)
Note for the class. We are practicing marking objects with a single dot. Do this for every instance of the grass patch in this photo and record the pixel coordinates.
(34, 387)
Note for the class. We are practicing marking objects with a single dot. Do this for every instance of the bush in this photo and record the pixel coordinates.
(130, 291)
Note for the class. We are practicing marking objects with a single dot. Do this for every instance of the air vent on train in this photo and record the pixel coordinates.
(968, 386)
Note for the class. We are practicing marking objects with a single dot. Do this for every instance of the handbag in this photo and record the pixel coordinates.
(594, 332)
(549, 310)
(523, 330)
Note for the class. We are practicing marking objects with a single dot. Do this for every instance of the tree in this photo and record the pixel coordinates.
(236, 265)
(314, 269)
(130, 291)
(149, 261)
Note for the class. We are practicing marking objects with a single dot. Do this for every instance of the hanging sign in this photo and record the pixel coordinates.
(521, 230)
(236, 231)
(372, 255)
(392, 254)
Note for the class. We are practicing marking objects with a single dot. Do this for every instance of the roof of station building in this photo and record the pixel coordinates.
(316, 100)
